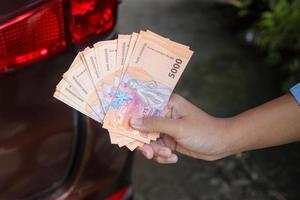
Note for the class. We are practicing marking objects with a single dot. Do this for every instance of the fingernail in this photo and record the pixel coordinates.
(173, 158)
(136, 122)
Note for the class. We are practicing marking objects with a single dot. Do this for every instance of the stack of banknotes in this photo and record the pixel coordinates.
(133, 75)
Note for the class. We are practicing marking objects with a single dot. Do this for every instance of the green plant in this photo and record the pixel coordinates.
(249, 6)
(278, 34)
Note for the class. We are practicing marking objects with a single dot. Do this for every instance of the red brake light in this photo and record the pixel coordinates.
(39, 33)
(91, 17)
(119, 195)
(32, 36)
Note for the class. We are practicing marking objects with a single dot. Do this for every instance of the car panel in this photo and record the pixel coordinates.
(9, 9)
(48, 150)
(36, 130)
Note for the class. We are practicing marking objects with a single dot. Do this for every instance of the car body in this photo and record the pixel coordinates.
(47, 149)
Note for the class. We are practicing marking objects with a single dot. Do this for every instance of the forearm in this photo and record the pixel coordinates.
(273, 123)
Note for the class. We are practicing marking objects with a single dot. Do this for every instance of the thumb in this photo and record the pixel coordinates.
(156, 124)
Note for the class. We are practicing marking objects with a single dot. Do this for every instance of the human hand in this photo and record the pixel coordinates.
(187, 130)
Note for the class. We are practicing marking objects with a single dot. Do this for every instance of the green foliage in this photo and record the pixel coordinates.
(278, 33)
(279, 28)
(247, 6)
(241, 4)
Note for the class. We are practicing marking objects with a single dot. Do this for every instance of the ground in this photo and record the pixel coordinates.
(224, 77)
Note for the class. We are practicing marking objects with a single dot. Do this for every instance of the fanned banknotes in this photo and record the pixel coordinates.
(133, 75)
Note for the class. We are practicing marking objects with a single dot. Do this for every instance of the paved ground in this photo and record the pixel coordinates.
(224, 77)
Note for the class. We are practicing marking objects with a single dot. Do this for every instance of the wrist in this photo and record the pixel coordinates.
(232, 136)
(240, 137)
(224, 137)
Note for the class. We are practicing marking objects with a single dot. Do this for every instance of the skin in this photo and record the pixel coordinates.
(190, 131)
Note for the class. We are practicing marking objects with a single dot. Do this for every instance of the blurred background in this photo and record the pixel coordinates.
(246, 53)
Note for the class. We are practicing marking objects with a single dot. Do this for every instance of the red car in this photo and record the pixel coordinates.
(48, 150)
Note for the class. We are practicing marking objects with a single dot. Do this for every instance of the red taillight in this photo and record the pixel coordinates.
(121, 194)
(91, 17)
(32, 35)
(40, 32)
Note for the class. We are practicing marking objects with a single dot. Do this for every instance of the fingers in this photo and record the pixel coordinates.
(154, 149)
(178, 106)
(159, 153)
(160, 150)
(170, 160)
(157, 124)
(147, 151)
